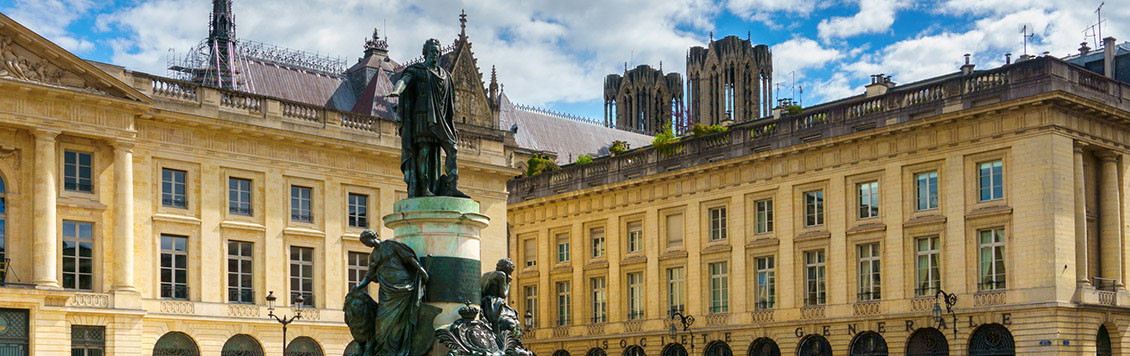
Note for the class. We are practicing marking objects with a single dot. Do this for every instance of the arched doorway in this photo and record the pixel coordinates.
(1102, 344)
(927, 342)
(868, 343)
(242, 345)
(814, 345)
(175, 343)
(303, 346)
(596, 351)
(718, 348)
(991, 340)
(634, 350)
(764, 347)
(674, 350)
(561, 353)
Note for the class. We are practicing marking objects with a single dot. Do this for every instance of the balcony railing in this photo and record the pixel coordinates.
(1107, 284)
(176, 291)
(241, 295)
(904, 103)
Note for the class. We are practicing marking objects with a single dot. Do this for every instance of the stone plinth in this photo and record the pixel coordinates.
(448, 229)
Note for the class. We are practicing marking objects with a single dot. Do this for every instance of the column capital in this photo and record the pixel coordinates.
(45, 134)
(1107, 155)
(123, 145)
(1078, 148)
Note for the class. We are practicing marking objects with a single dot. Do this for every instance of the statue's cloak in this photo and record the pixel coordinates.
(427, 112)
(396, 315)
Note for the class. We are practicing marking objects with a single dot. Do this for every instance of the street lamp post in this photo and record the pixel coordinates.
(678, 318)
(950, 300)
(284, 320)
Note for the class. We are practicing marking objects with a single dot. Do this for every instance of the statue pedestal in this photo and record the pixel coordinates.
(446, 228)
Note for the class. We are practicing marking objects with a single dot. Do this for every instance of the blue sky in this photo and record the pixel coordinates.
(556, 53)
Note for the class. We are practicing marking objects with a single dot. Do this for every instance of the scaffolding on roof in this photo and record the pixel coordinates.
(201, 62)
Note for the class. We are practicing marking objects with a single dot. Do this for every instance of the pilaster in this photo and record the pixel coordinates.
(44, 245)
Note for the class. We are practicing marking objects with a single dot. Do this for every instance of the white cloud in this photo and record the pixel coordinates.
(799, 54)
(767, 11)
(874, 16)
(545, 50)
(50, 19)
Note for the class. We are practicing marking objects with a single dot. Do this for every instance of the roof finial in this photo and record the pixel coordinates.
(462, 23)
(748, 35)
(711, 36)
(661, 66)
(625, 67)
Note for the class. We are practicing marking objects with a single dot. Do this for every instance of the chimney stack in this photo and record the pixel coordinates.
(967, 69)
(1083, 49)
(1008, 58)
(1108, 57)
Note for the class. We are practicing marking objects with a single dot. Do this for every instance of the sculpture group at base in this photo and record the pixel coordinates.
(399, 324)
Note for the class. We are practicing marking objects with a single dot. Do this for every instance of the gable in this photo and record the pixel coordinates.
(28, 57)
(471, 105)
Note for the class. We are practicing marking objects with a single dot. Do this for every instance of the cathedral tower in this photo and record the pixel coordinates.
(643, 99)
(730, 79)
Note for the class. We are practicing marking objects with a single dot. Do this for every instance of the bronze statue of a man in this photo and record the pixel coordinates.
(426, 111)
(394, 265)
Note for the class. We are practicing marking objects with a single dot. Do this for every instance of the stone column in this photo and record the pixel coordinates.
(1109, 220)
(123, 217)
(1080, 220)
(44, 244)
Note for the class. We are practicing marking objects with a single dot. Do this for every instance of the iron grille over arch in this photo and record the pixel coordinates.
(814, 345)
(175, 343)
(1102, 344)
(596, 351)
(561, 353)
(927, 342)
(868, 343)
(674, 350)
(303, 346)
(717, 348)
(14, 336)
(242, 345)
(634, 350)
(764, 347)
(991, 340)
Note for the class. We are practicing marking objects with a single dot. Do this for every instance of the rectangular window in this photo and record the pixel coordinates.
(173, 188)
(868, 200)
(719, 287)
(240, 277)
(358, 265)
(239, 196)
(674, 230)
(814, 208)
(635, 296)
(596, 235)
(562, 247)
(635, 236)
(599, 299)
(717, 223)
(766, 283)
(870, 285)
(531, 293)
(300, 204)
(85, 341)
(530, 252)
(928, 276)
(992, 259)
(814, 277)
(926, 190)
(77, 172)
(302, 274)
(764, 213)
(174, 267)
(676, 289)
(358, 211)
(563, 303)
(990, 180)
(78, 255)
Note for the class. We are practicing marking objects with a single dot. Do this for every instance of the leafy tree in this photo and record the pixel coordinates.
(617, 147)
(664, 140)
(582, 159)
(538, 164)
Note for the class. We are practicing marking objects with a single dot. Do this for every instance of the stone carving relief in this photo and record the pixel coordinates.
(18, 63)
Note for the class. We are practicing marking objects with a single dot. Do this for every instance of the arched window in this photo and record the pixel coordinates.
(764, 347)
(561, 353)
(991, 340)
(927, 342)
(718, 348)
(634, 350)
(1102, 344)
(175, 343)
(596, 351)
(242, 345)
(674, 350)
(868, 343)
(303, 346)
(814, 345)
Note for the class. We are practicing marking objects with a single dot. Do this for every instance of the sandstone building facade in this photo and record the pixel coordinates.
(832, 231)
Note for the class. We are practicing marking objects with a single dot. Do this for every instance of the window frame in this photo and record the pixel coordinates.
(598, 246)
(815, 217)
(85, 346)
(932, 196)
(77, 259)
(634, 236)
(763, 216)
(355, 272)
(169, 199)
(869, 271)
(308, 296)
(676, 288)
(530, 262)
(564, 244)
(765, 289)
(815, 277)
(932, 255)
(530, 300)
(635, 295)
(564, 302)
(995, 189)
(716, 220)
(666, 228)
(997, 248)
(598, 306)
(718, 286)
(300, 204)
(235, 207)
(240, 289)
(77, 178)
(868, 202)
(173, 283)
(357, 211)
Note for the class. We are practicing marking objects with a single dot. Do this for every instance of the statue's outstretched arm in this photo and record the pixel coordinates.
(401, 85)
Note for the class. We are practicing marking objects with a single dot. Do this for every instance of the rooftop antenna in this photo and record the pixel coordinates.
(1024, 33)
(793, 74)
(800, 89)
(1099, 14)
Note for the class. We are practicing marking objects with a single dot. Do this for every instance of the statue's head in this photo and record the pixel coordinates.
(431, 51)
(370, 238)
(505, 265)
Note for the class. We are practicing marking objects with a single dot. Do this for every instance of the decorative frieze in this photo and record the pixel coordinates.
(761, 316)
(812, 312)
(984, 299)
(177, 307)
(90, 300)
(866, 308)
(243, 310)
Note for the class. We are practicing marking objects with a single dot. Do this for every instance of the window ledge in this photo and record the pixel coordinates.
(720, 246)
(989, 211)
(763, 242)
(601, 263)
(562, 267)
(303, 232)
(867, 227)
(175, 218)
(242, 225)
(673, 254)
(529, 272)
(813, 235)
(925, 220)
(84, 201)
(633, 259)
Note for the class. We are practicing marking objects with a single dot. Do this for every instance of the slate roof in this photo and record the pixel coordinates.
(304, 86)
(567, 138)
